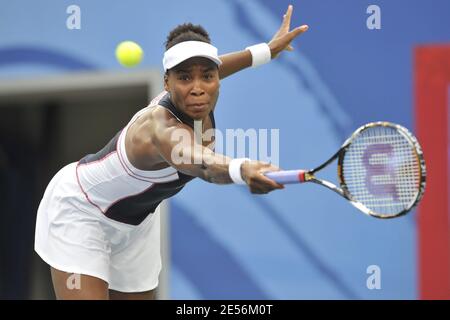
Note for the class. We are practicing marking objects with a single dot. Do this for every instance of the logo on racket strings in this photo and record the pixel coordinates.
(380, 170)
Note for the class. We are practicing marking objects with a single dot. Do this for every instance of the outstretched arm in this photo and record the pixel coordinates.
(237, 61)
(177, 145)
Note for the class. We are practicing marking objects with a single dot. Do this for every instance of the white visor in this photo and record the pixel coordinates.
(189, 49)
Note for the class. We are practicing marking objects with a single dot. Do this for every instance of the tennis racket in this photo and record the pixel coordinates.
(381, 170)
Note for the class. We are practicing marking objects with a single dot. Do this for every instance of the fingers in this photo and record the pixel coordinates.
(287, 17)
(256, 179)
(261, 189)
(269, 181)
(269, 167)
(260, 184)
(264, 183)
(296, 32)
(301, 29)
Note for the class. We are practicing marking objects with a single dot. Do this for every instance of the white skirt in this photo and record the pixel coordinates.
(75, 237)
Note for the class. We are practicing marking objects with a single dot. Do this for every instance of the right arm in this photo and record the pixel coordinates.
(176, 144)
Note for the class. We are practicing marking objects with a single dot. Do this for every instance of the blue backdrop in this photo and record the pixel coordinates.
(300, 243)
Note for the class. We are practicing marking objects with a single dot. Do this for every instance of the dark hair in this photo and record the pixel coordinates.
(187, 32)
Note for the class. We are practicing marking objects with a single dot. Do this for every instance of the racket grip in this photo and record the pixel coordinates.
(286, 177)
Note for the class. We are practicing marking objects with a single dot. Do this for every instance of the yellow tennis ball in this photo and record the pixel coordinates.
(129, 53)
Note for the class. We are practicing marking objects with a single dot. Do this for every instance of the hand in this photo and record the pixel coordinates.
(252, 173)
(283, 38)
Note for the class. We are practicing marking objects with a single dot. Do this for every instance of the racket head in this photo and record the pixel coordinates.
(381, 170)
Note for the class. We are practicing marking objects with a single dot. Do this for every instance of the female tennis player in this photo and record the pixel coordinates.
(98, 224)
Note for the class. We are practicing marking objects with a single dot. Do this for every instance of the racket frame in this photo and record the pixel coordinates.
(309, 176)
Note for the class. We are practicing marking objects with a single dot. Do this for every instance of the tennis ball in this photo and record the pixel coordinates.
(129, 53)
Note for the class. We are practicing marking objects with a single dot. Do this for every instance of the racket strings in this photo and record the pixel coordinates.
(382, 171)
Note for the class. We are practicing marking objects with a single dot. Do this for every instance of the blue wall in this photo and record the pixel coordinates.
(300, 243)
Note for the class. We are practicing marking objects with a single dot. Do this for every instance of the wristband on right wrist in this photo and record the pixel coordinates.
(234, 169)
(260, 54)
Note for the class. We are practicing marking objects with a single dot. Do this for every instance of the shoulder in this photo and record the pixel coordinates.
(147, 133)
(158, 122)
(161, 116)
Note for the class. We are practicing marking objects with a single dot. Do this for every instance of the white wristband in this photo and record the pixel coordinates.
(260, 54)
(234, 169)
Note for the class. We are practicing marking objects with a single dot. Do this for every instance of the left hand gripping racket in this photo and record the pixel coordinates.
(380, 168)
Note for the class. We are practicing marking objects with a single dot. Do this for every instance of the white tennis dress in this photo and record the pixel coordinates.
(100, 216)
